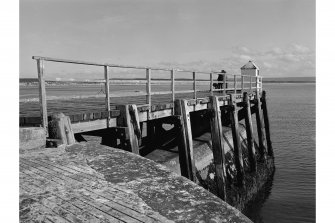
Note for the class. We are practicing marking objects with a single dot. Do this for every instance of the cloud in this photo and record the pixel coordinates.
(290, 60)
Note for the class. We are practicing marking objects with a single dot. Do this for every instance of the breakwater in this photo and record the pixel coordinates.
(232, 166)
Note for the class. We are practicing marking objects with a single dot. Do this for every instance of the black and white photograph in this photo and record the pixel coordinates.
(167, 111)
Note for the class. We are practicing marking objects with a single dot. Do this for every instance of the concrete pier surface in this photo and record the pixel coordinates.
(89, 182)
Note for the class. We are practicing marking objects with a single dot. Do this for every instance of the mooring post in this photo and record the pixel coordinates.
(185, 147)
(60, 128)
(217, 145)
(260, 128)
(249, 129)
(129, 118)
(236, 139)
(266, 124)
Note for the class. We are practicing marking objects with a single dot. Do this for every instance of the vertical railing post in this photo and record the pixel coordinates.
(211, 83)
(194, 86)
(173, 88)
(242, 83)
(42, 95)
(148, 76)
(224, 84)
(234, 84)
(250, 84)
(257, 85)
(107, 94)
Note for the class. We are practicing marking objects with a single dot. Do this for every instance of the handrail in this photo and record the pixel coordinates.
(114, 65)
(223, 85)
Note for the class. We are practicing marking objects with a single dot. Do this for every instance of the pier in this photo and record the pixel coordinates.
(141, 122)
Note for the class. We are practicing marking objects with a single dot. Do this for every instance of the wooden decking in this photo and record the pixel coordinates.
(94, 183)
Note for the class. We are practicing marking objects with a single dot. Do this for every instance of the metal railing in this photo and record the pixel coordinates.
(230, 84)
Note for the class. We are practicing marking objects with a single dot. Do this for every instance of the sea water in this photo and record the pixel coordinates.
(290, 197)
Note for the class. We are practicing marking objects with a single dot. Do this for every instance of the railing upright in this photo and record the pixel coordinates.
(211, 83)
(250, 84)
(194, 86)
(234, 84)
(224, 84)
(107, 94)
(173, 88)
(148, 76)
(42, 96)
(242, 83)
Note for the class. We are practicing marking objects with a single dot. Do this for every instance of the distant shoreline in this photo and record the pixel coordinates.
(33, 83)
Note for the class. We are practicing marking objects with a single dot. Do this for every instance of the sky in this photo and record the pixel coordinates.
(278, 35)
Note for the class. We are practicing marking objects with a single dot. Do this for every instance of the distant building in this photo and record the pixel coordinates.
(250, 69)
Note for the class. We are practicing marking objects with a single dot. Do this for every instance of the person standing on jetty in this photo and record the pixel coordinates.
(221, 76)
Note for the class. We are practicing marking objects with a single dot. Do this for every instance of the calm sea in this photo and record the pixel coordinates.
(290, 197)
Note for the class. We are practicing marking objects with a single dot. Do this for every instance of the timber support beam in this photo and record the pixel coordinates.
(236, 140)
(129, 118)
(260, 129)
(249, 130)
(185, 146)
(266, 124)
(218, 149)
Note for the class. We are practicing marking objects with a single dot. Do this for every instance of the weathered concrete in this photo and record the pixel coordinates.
(89, 182)
(32, 138)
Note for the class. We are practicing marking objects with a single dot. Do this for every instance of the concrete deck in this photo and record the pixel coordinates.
(93, 183)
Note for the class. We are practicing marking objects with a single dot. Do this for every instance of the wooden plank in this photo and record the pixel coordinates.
(112, 209)
(114, 113)
(97, 115)
(160, 114)
(42, 96)
(107, 93)
(236, 140)
(185, 147)
(126, 120)
(22, 121)
(266, 124)
(217, 146)
(260, 128)
(32, 120)
(76, 117)
(250, 134)
(92, 125)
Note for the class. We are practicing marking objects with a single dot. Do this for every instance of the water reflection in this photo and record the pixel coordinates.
(253, 209)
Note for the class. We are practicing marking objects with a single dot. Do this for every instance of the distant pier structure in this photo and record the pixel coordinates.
(142, 122)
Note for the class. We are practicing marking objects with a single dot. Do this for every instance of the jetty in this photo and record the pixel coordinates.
(175, 155)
